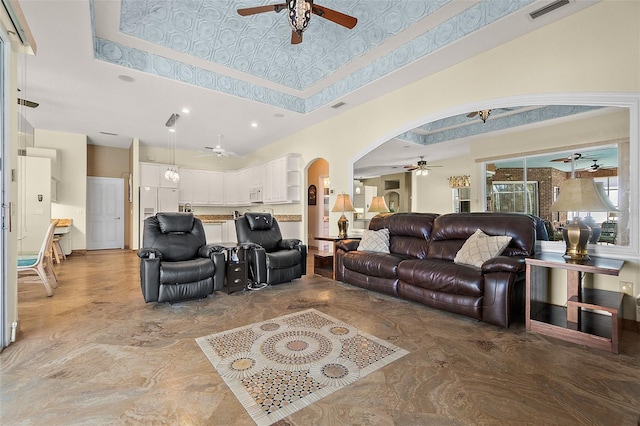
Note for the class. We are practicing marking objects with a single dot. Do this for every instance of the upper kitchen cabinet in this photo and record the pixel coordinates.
(208, 187)
(282, 180)
(152, 175)
(185, 186)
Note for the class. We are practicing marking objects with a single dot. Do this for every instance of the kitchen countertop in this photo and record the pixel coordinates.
(221, 218)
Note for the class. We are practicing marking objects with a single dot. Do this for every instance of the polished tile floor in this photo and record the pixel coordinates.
(96, 354)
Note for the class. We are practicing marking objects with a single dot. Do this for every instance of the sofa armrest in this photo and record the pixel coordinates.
(149, 253)
(289, 244)
(504, 264)
(150, 278)
(209, 249)
(348, 245)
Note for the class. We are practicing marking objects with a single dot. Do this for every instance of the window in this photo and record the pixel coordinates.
(531, 184)
(462, 200)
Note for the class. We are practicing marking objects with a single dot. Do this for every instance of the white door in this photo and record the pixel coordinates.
(105, 213)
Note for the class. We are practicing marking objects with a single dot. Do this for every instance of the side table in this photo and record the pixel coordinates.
(324, 263)
(579, 322)
(236, 277)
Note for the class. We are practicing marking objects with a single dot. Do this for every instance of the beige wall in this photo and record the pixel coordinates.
(72, 188)
(103, 161)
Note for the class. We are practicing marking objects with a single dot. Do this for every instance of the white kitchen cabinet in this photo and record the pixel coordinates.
(282, 180)
(231, 188)
(243, 187)
(200, 187)
(215, 188)
(293, 178)
(152, 175)
(185, 186)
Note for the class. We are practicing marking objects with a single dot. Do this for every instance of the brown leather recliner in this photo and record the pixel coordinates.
(175, 262)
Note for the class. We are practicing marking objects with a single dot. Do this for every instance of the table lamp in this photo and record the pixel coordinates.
(378, 205)
(579, 195)
(343, 204)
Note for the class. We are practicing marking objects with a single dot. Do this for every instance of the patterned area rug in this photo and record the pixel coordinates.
(276, 367)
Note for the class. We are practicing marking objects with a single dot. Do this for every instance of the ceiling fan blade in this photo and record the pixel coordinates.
(296, 37)
(410, 168)
(27, 103)
(262, 9)
(334, 16)
(472, 114)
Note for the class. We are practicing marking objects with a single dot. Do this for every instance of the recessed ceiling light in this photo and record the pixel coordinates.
(186, 110)
(278, 115)
(126, 78)
(254, 124)
(172, 130)
(108, 133)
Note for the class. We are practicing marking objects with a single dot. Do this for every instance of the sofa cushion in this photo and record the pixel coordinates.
(371, 263)
(442, 276)
(481, 247)
(408, 232)
(375, 241)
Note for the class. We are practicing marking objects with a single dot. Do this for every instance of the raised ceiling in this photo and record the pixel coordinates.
(232, 70)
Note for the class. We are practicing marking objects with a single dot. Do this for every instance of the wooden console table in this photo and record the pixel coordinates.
(323, 259)
(574, 323)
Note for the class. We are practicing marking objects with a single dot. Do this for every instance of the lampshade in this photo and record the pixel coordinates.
(378, 205)
(581, 195)
(343, 204)
(605, 197)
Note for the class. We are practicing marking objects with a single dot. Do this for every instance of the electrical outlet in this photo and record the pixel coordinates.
(626, 287)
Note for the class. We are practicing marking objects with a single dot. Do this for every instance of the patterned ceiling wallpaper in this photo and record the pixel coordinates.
(259, 45)
(461, 126)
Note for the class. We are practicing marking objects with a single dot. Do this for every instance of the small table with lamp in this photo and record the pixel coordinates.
(591, 316)
(324, 263)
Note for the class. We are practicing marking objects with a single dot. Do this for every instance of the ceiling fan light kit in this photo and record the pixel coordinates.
(422, 168)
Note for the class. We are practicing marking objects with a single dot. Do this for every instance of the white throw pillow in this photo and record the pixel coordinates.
(376, 241)
(481, 247)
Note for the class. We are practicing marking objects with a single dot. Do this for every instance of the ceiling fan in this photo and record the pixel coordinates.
(595, 167)
(300, 14)
(217, 151)
(421, 167)
(573, 157)
(483, 114)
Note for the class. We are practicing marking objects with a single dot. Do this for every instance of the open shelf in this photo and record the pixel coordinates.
(590, 323)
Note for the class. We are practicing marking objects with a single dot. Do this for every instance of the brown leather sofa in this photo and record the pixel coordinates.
(420, 264)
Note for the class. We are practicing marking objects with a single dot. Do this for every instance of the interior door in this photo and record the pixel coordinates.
(105, 213)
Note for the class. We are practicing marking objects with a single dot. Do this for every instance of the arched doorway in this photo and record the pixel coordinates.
(317, 202)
